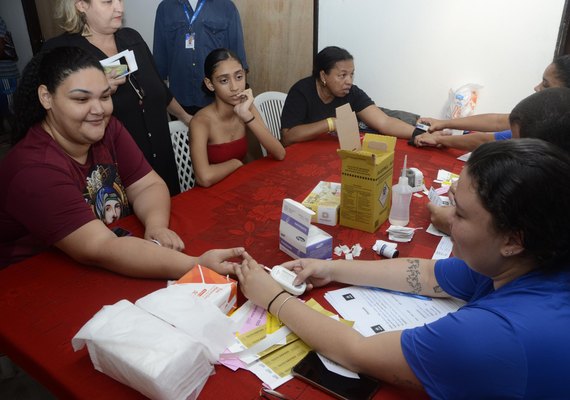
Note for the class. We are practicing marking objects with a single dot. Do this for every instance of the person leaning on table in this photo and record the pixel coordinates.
(73, 161)
(488, 127)
(141, 100)
(543, 115)
(311, 103)
(510, 236)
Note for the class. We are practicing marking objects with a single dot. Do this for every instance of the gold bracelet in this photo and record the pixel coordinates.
(330, 123)
(282, 304)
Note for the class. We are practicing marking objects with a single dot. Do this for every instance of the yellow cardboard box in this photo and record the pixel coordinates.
(366, 177)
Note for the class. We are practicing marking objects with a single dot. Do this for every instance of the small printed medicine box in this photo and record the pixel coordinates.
(324, 200)
(297, 237)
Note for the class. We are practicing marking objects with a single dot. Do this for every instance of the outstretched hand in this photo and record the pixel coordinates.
(218, 259)
(434, 124)
(255, 283)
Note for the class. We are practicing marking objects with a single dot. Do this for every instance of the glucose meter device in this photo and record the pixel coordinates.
(285, 278)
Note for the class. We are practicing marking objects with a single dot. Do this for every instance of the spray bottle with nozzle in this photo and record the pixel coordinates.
(401, 198)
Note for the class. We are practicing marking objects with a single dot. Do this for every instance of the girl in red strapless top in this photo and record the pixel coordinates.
(218, 141)
(219, 153)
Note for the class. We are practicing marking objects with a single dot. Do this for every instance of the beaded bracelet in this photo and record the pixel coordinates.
(247, 122)
(282, 304)
(276, 296)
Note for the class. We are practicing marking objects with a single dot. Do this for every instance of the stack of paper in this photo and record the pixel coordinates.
(375, 310)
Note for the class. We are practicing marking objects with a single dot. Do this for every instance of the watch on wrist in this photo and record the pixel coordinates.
(420, 129)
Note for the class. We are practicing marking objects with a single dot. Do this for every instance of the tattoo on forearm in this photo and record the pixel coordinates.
(437, 289)
(413, 277)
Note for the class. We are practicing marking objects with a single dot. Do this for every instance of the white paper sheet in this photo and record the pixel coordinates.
(443, 249)
(375, 311)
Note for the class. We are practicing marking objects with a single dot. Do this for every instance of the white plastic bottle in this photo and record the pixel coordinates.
(401, 198)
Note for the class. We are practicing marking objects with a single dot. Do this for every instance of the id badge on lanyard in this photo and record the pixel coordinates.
(190, 38)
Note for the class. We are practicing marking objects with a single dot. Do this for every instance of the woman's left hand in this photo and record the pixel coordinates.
(243, 108)
(256, 284)
(114, 81)
(165, 237)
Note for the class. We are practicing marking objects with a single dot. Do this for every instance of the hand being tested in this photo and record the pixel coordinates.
(255, 283)
(218, 259)
(426, 140)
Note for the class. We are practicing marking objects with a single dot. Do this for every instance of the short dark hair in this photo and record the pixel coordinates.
(562, 64)
(545, 115)
(326, 59)
(523, 184)
(213, 59)
(49, 68)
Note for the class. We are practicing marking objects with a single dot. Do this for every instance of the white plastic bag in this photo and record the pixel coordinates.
(462, 101)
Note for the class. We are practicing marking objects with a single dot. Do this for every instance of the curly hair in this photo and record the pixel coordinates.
(48, 68)
(523, 184)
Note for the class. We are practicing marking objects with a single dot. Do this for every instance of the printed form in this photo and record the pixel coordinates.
(374, 310)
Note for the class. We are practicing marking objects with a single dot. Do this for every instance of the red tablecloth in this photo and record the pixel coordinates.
(45, 300)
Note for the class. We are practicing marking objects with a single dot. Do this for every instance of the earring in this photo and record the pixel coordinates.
(324, 83)
(508, 253)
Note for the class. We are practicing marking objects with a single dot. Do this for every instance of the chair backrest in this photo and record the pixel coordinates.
(270, 105)
(181, 146)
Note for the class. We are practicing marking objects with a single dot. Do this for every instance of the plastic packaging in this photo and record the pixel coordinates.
(401, 198)
(462, 101)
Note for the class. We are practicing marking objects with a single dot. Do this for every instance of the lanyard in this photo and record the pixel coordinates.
(198, 9)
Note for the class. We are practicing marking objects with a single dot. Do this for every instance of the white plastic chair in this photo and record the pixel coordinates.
(181, 146)
(270, 105)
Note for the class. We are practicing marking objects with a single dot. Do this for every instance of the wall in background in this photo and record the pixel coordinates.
(139, 15)
(409, 53)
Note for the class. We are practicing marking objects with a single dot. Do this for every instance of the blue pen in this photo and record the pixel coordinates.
(415, 296)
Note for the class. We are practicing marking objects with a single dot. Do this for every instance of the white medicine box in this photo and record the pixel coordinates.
(297, 237)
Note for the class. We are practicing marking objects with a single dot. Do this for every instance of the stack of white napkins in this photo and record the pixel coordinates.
(164, 346)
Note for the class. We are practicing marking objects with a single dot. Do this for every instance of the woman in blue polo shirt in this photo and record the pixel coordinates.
(510, 340)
